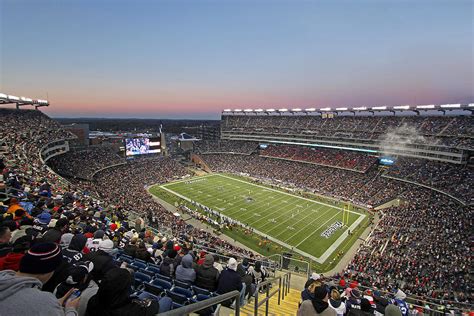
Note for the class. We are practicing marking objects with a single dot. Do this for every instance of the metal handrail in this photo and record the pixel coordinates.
(205, 304)
(283, 284)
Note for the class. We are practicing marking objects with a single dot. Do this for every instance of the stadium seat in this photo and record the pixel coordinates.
(162, 283)
(149, 273)
(141, 261)
(164, 277)
(182, 291)
(197, 290)
(153, 289)
(141, 278)
(125, 259)
(177, 298)
(153, 268)
(184, 285)
(138, 265)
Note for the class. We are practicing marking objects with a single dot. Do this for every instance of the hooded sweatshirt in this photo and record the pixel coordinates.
(206, 274)
(73, 253)
(23, 296)
(185, 271)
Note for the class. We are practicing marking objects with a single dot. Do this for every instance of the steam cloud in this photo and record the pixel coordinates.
(399, 139)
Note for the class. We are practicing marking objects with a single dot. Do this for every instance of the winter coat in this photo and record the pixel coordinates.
(207, 275)
(185, 271)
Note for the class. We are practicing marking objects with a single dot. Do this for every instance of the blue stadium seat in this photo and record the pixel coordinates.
(162, 283)
(177, 298)
(184, 285)
(138, 265)
(141, 278)
(182, 291)
(149, 273)
(154, 289)
(141, 261)
(164, 277)
(125, 259)
(153, 268)
(198, 290)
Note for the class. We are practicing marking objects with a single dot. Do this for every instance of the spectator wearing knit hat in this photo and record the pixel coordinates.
(20, 292)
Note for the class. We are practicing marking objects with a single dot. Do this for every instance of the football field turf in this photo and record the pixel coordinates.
(312, 228)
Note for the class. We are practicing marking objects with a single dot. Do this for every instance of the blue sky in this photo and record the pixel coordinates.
(118, 58)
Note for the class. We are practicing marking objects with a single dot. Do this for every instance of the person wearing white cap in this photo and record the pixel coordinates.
(229, 280)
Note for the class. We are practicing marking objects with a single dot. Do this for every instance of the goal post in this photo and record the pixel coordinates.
(345, 214)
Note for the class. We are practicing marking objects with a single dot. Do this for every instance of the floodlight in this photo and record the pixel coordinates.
(341, 109)
(401, 107)
(325, 109)
(310, 110)
(429, 106)
(379, 108)
(450, 105)
(360, 108)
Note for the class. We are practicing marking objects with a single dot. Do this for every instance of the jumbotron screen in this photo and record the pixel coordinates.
(142, 146)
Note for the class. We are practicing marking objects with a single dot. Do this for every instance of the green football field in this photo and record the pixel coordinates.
(311, 228)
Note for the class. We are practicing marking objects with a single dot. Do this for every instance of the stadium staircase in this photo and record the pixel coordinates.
(288, 306)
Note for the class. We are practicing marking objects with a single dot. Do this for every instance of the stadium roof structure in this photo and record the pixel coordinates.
(21, 101)
(371, 109)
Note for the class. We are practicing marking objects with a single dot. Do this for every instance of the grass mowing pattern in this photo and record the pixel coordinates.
(289, 218)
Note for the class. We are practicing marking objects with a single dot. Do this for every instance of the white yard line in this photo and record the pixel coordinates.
(282, 192)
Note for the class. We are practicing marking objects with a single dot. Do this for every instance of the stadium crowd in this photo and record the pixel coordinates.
(453, 179)
(452, 131)
(57, 237)
(83, 164)
(326, 157)
(226, 146)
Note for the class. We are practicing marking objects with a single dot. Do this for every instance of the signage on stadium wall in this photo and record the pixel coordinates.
(387, 161)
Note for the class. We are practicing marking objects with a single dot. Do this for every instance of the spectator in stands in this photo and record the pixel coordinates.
(74, 253)
(230, 280)
(20, 292)
(336, 303)
(101, 259)
(318, 305)
(185, 271)
(54, 234)
(167, 266)
(308, 292)
(364, 309)
(113, 297)
(12, 260)
(206, 275)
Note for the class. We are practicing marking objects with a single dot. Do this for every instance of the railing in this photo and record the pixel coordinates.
(185, 310)
(283, 290)
(289, 263)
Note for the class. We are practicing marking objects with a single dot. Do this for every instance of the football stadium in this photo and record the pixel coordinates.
(151, 180)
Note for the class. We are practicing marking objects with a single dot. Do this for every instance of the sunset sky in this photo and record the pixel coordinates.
(175, 59)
